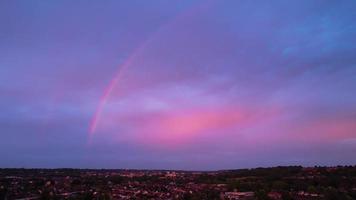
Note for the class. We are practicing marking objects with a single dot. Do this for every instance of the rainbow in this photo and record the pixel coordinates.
(123, 67)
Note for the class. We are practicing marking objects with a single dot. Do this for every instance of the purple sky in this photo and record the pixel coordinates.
(180, 84)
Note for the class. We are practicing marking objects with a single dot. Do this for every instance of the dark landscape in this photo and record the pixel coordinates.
(293, 182)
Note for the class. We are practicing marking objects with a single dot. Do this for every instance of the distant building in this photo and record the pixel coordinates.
(275, 195)
(239, 195)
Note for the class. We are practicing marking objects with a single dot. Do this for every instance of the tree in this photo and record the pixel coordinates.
(261, 195)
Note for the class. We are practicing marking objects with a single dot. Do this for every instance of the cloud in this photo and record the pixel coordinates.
(209, 85)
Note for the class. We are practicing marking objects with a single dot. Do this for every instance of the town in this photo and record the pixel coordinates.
(293, 182)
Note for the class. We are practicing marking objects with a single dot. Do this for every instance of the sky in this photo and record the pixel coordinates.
(181, 84)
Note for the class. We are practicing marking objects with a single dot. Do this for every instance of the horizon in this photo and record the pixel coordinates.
(185, 84)
(180, 170)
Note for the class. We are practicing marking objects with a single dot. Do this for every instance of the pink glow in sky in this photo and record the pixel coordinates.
(187, 84)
